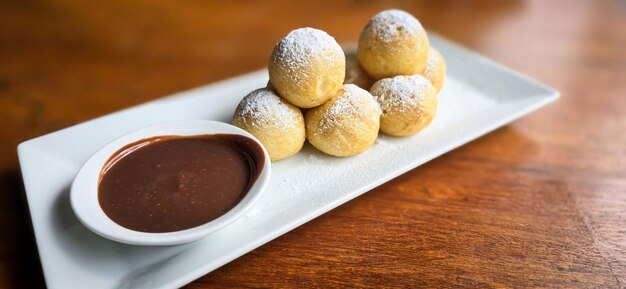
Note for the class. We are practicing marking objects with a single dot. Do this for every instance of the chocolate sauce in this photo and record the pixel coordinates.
(172, 183)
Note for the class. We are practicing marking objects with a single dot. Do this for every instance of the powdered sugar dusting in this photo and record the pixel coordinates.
(348, 103)
(310, 180)
(389, 24)
(263, 107)
(302, 46)
(431, 64)
(400, 92)
(313, 160)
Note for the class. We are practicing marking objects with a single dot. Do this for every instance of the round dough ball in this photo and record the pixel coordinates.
(409, 103)
(355, 74)
(271, 87)
(276, 123)
(393, 43)
(345, 125)
(435, 69)
(307, 67)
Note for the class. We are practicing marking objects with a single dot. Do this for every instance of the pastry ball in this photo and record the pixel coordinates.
(435, 69)
(354, 72)
(270, 87)
(278, 124)
(393, 43)
(409, 104)
(345, 125)
(307, 67)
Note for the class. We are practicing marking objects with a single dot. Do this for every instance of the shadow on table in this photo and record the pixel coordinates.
(22, 266)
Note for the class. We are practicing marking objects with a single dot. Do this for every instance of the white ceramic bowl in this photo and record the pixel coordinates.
(84, 191)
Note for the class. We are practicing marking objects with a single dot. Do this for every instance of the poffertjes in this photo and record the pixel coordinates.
(345, 125)
(307, 67)
(393, 43)
(408, 103)
(276, 123)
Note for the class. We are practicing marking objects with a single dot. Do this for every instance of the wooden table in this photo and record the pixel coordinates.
(538, 203)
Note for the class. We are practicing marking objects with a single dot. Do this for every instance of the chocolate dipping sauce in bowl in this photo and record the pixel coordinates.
(170, 183)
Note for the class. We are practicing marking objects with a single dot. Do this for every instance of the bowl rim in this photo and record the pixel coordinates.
(84, 188)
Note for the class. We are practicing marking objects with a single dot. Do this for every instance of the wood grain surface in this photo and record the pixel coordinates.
(538, 203)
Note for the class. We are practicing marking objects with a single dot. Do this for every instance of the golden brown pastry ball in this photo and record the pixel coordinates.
(307, 67)
(276, 123)
(435, 69)
(409, 104)
(354, 72)
(345, 125)
(270, 87)
(393, 43)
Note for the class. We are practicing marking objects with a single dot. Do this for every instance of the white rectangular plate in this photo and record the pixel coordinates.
(479, 96)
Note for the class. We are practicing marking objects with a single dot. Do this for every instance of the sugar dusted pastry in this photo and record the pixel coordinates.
(345, 125)
(393, 43)
(307, 67)
(355, 74)
(408, 103)
(275, 122)
(435, 69)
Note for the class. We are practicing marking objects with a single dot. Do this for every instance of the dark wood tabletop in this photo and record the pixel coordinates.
(538, 203)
